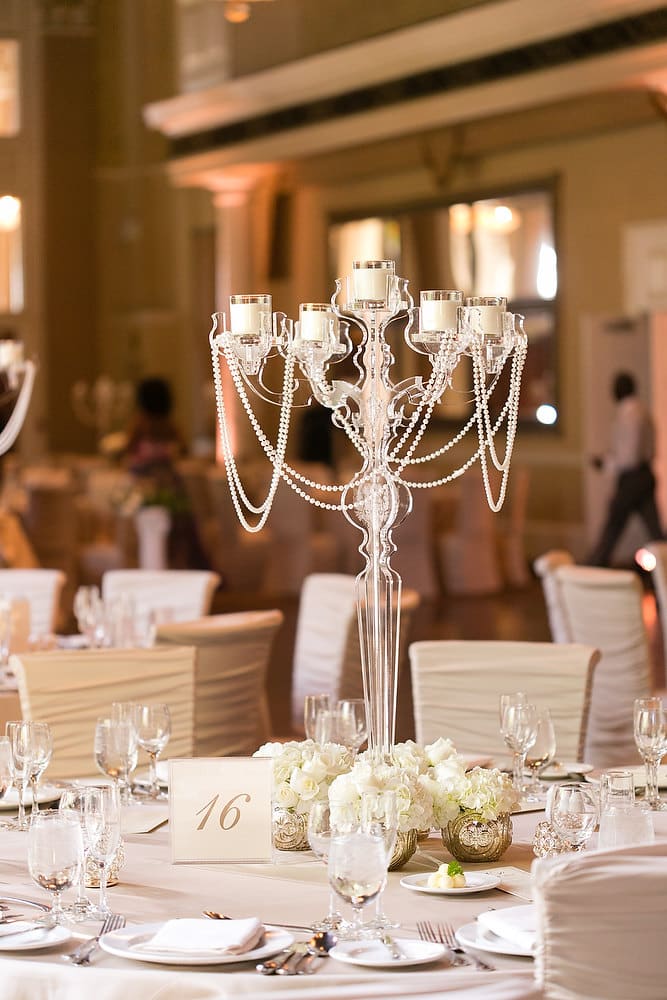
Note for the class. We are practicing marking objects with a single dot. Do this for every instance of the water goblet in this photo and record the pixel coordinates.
(505, 700)
(518, 728)
(72, 806)
(572, 809)
(319, 838)
(649, 731)
(314, 703)
(357, 872)
(42, 746)
(101, 810)
(55, 852)
(6, 773)
(351, 723)
(153, 728)
(540, 753)
(116, 752)
(326, 726)
(19, 734)
(379, 817)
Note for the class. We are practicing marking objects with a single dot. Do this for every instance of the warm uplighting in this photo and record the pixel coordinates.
(547, 272)
(546, 414)
(236, 12)
(10, 213)
(645, 560)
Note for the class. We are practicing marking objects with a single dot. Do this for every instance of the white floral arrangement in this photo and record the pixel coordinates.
(420, 759)
(303, 771)
(415, 805)
(453, 790)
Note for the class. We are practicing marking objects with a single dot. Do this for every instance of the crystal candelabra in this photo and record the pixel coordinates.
(384, 420)
(18, 376)
(103, 405)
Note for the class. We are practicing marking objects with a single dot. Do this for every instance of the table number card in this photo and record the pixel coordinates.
(220, 809)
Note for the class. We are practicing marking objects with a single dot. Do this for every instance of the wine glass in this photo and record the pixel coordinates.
(101, 812)
(573, 811)
(357, 871)
(55, 852)
(19, 734)
(153, 728)
(649, 729)
(351, 728)
(314, 703)
(6, 773)
(72, 806)
(379, 817)
(326, 726)
(540, 753)
(319, 838)
(116, 752)
(515, 698)
(42, 747)
(518, 728)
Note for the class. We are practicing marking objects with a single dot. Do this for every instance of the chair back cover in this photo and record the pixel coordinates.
(659, 578)
(232, 654)
(604, 609)
(456, 687)
(545, 567)
(601, 924)
(187, 594)
(71, 689)
(42, 589)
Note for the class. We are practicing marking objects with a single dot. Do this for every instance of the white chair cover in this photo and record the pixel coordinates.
(659, 578)
(456, 686)
(70, 690)
(545, 566)
(186, 593)
(601, 924)
(232, 654)
(42, 588)
(604, 609)
(152, 525)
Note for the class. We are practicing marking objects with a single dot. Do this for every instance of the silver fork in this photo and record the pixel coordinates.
(444, 934)
(84, 952)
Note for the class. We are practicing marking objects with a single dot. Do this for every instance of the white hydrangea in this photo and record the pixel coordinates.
(415, 807)
(303, 771)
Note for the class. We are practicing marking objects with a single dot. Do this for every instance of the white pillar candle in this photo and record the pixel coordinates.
(439, 310)
(245, 313)
(369, 279)
(11, 353)
(490, 319)
(315, 320)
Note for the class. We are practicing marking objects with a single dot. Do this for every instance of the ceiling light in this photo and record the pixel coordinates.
(236, 11)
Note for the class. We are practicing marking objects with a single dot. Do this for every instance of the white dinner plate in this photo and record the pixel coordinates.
(472, 936)
(46, 793)
(564, 769)
(124, 943)
(475, 882)
(75, 641)
(31, 940)
(377, 955)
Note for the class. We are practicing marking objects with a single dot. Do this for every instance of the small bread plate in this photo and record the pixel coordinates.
(132, 943)
(475, 882)
(376, 955)
(639, 776)
(472, 936)
(565, 769)
(46, 793)
(13, 938)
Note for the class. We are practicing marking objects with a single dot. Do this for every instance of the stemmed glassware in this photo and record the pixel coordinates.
(116, 752)
(649, 729)
(379, 817)
(319, 838)
(572, 809)
(90, 615)
(540, 753)
(6, 773)
(518, 726)
(72, 806)
(55, 852)
(351, 729)
(153, 729)
(20, 736)
(101, 810)
(313, 704)
(357, 871)
(42, 749)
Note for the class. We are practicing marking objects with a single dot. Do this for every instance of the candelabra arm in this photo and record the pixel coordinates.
(10, 431)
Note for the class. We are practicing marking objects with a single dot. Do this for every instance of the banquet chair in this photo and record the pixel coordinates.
(42, 588)
(70, 690)
(183, 594)
(456, 687)
(659, 578)
(469, 555)
(231, 714)
(300, 545)
(327, 657)
(604, 609)
(600, 919)
(545, 567)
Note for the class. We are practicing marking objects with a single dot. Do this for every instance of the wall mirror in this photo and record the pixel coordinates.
(499, 244)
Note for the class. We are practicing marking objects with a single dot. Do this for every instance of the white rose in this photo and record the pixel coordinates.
(304, 786)
(284, 796)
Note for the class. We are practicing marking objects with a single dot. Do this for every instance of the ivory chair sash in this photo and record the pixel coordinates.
(545, 567)
(232, 652)
(456, 686)
(42, 588)
(70, 690)
(604, 609)
(186, 593)
(601, 924)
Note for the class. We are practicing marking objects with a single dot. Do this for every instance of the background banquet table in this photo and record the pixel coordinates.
(292, 891)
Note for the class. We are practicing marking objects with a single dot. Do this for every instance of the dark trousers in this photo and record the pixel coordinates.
(634, 494)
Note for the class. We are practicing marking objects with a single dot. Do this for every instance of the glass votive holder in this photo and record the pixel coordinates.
(371, 287)
(249, 315)
(439, 310)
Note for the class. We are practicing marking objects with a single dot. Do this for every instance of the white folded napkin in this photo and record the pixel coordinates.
(517, 924)
(194, 936)
(16, 927)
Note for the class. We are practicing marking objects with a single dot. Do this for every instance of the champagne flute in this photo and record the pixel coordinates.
(319, 838)
(71, 806)
(379, 817)
(573, 811)
(42, 746)
(19, 734)
(357, 872)
(6, 773)
(55, 853)
(116, 752)
(153, 728)
(540, 753)
(101, 810)
(649, 730)
(351, 726)
(314, 703)
(518, 728)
